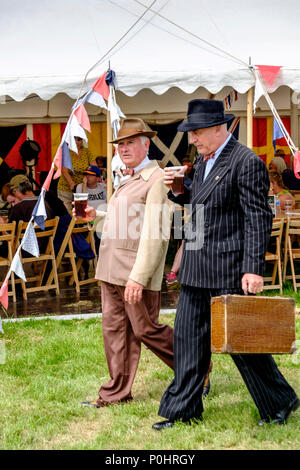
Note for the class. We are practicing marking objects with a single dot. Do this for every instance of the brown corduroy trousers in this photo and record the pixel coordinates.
(125, 327)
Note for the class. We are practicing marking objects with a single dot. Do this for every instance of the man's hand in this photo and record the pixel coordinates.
(90, 213)
(170, 174)
(252, 283)
(133, 292)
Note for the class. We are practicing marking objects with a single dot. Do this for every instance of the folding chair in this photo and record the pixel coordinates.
(67, 251)
(7, 235)
(292, 253)
(47, 254)
(276, 234)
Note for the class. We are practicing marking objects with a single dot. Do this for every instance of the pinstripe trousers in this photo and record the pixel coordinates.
(182, 399)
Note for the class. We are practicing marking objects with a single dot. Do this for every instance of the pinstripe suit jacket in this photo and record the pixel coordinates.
(237, 220)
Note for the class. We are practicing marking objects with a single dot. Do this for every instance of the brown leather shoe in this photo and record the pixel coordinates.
(101, 403)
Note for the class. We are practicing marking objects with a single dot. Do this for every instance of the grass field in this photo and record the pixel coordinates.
(51, 366)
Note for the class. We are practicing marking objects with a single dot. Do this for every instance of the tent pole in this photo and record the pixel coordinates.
(109, 156)
(250, 97)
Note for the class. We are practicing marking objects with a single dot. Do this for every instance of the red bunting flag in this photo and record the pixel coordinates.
(101, 87)
(58, 162)
(82, 117)
(48, 180)
(269, 72)
(297, 164)
(4, 294)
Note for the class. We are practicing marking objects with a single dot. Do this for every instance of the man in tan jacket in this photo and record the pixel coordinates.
(131, 264)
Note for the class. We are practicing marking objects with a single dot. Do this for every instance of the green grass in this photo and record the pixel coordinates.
(51, 366)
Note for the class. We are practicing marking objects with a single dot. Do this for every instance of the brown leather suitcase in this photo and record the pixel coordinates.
(244, 324)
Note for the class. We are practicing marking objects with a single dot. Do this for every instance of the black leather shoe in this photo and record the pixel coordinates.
(282, 416)
(163, 425)
(206, 389)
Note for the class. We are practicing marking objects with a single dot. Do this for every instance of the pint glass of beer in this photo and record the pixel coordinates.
(80, 200)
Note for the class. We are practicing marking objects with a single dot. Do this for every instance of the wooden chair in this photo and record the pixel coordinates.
(7, 235)
(276, 235)
(67, 252)
(296, 195)
(292, 253)
(39, 264)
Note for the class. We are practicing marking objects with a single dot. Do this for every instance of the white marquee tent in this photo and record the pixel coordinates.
(163, 52)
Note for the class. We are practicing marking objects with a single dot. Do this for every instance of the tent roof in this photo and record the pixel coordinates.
(49, 46)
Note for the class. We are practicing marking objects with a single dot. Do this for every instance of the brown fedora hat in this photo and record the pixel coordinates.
(132, 127)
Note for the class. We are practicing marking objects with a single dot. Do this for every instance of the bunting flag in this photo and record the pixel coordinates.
(277, 132)
(76, 126)
(82, 117)
(233, 96)
(269, 72)
(58, 162)
(297, 164)
(94, 98)
(115, 114)
(66, 157)
(16, 265)
(263, 139)
(39, 211)
(30, 243)
(101, 87)
(4, 297)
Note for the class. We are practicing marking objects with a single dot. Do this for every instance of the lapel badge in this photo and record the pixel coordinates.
(217, 178)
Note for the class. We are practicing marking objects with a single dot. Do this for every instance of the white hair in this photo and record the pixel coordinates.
(144, 139)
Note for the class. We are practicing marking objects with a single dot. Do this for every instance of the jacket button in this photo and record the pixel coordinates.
(206, 225)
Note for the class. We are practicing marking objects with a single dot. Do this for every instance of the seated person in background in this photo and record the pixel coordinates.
(280, 153)
(7, 197)
(22, 190)
(277, 187)
(101, 163)
(23, 210)
(289, 179)
(277, 165)
(97, 197)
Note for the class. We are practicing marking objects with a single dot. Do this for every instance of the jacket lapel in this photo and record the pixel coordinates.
(217, 173)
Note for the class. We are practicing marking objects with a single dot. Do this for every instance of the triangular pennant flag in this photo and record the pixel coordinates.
(39, 211)
(297, 164)
(101, 87)
(82, 117)
(66, 157)
(277, 132)
(17, 268)
(258, 92)
(4, 296)
(110, 78)
(269, 72)
(94, 98)
(30, 243)
(48, 180)
(58, 162)
(74, 129)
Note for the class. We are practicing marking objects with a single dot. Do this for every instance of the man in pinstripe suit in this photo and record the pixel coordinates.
(231, 185)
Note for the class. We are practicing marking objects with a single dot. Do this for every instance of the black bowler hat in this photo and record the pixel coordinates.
(203, 114)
